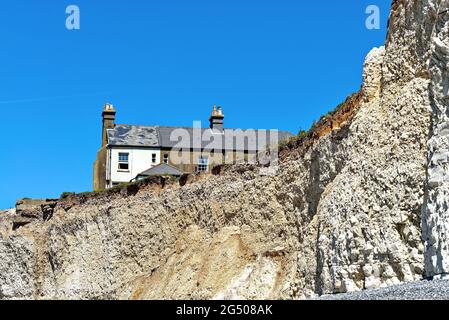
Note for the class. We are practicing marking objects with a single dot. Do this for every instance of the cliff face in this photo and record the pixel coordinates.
(361, 204)
(436, 208)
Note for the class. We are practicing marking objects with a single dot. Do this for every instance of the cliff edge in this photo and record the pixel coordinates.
(359, 203)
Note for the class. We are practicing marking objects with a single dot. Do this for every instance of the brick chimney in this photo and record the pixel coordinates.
(108, 121)
(216, 119)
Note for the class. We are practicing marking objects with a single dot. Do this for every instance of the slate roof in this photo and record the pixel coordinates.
(133, 136)
(160, 170)
(184, 137)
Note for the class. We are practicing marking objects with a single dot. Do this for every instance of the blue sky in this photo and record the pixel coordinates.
(269, 64)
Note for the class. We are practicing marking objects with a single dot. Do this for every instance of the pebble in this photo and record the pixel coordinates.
(420, 290)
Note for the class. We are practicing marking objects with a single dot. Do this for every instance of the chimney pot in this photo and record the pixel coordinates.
(108, 116)
(216, 118)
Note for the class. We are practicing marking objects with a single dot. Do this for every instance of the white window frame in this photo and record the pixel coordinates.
(203, 164)
(121, 161)
(166, 158)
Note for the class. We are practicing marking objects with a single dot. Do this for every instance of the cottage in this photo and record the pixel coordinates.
(130, 153)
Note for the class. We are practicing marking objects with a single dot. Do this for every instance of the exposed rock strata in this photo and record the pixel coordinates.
(436, 210)
(363, 205)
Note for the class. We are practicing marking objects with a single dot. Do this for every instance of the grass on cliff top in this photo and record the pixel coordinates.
(100, 191)
(113, 189)
(303, 134)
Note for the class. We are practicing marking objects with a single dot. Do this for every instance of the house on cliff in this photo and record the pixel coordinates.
(130, 152)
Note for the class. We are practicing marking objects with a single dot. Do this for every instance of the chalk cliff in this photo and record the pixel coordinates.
(361, 202)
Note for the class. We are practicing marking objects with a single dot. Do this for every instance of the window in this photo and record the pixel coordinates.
(123, 157)
(123, 161)
(203, 164)
(153, 158)
(166, 158)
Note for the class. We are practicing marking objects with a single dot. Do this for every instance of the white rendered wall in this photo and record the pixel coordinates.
(139, 161)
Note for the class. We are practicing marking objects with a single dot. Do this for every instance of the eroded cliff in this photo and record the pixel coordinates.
(359, 203)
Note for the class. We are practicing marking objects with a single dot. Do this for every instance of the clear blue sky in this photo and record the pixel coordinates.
(270, 64)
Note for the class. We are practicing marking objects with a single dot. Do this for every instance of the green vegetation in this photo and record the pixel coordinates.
(67, 194)
(115, 188)
(87, 193)
(332, 112)
(302, 134)
(100, 191)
